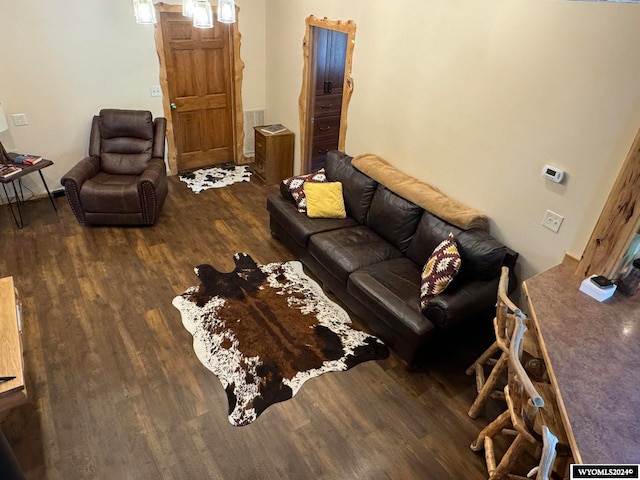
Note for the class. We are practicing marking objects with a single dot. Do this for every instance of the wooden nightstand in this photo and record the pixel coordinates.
(274, 155)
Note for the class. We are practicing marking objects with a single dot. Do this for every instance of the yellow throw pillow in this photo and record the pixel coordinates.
(324, 200)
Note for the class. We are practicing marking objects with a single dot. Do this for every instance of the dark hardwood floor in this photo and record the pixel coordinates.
(117, 393)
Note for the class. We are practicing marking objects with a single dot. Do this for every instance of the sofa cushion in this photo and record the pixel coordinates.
(324, 200)
(358, 189)
(482, 255)
(106, 193)
(348, 249)
(390, 290)
(440, 270)
(297, 224)
(393, 217)
(429, 233)
(295, 185)
(126, 141)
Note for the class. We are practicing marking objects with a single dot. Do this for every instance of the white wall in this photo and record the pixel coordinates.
(62, 61)
(475, 96)
(252, 26)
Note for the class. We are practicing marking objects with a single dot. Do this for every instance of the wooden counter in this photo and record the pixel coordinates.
(592, 351)
(13, 392)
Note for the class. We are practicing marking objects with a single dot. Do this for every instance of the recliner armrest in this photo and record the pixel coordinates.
(81, 172)
(73, 180)
(152, 186)
(154, 171)
(470, 298)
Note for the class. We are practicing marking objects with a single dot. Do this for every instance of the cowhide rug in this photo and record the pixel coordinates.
(215, 177)
(264, 330)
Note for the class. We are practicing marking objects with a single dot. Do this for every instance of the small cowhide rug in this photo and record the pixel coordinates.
(215, 177)
(264, 330)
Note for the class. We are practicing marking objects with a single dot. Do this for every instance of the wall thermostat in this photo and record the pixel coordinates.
(553, 173)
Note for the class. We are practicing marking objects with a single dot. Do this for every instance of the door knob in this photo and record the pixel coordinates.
(173, 106)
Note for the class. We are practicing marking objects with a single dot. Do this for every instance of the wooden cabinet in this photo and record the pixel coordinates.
(330, 60)
(274, 156)
(326, 128)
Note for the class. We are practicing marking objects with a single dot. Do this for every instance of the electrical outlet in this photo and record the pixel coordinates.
(155, 91)
(552, 221)
(20, 119)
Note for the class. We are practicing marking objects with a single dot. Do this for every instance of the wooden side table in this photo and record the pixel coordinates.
(274, 155)
(12, 392)
(17, 192)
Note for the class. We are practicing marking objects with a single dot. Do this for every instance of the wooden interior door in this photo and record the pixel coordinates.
(200, 88)
(329, 62)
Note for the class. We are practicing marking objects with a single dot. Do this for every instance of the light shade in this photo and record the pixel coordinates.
(4, 126)
(188, 7)
(203, 14)
(144, 12)
(226, 11)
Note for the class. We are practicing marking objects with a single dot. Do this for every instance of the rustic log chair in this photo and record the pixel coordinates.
(525, 418)
(503, 328)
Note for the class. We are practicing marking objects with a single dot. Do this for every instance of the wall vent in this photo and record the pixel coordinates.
(252, 118)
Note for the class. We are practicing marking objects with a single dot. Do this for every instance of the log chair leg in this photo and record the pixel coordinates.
(488, 353)
(509, 459)
(488, 386)
(491, 430)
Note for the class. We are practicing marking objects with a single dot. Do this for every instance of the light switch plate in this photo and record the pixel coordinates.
(20, 119)
(155, 91)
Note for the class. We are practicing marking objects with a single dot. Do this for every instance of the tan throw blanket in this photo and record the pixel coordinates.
(420, 193)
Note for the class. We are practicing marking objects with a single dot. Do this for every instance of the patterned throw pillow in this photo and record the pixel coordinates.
(296, 187)
(440, 269)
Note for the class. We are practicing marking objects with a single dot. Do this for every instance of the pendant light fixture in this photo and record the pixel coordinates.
(226, 11)
(188, 7)
(203, 14)
(144, 12)
(199, 10)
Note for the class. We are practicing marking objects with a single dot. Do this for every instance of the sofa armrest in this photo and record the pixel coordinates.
(152, 186)
(159, 133)
(81, 172)
(73, 181)
(510, 260)
(466, 300)
(154, 172)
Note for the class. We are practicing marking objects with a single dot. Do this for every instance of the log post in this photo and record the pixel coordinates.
(618, 221)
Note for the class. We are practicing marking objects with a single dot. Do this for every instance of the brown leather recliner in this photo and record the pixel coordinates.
(123, 181)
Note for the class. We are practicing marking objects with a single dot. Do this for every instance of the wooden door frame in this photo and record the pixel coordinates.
(305, 101)
(237, 69)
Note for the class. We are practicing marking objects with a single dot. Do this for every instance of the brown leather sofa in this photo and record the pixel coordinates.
(372, 260)
(123, 181)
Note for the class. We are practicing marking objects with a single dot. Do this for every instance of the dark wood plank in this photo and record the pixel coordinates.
(117, 392)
